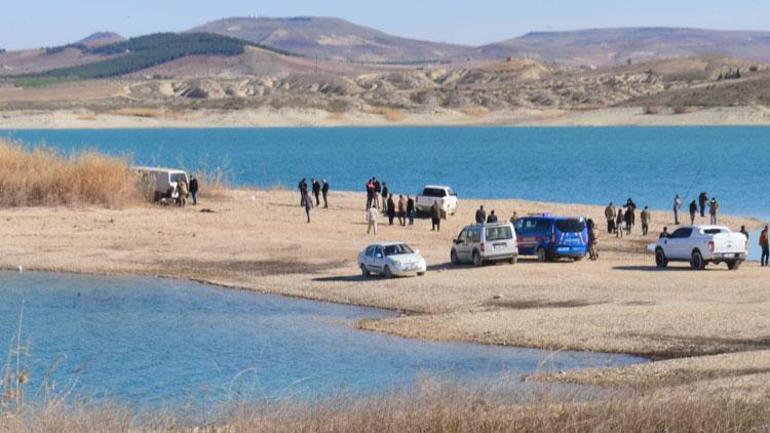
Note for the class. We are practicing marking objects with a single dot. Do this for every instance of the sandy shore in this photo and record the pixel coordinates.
(259, 240)
(158, 118)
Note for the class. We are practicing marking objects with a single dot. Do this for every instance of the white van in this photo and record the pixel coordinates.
(160, 183)
(482, 243)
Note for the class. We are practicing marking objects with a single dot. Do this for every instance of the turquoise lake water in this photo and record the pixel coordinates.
(151, 342)
(585, 165)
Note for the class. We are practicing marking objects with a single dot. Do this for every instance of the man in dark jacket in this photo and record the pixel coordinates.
(194, 190)
(492, 217)
(317, 191)
(391, 209)
(410, 211)
(385, 195)
(693, 211)
(435, 216)
(325, 192)
(302, 187)
(703, 198)
(481, 215)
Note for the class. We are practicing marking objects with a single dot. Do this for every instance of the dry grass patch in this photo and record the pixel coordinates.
(44, 177)
(390, 114)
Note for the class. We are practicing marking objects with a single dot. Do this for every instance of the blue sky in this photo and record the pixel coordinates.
(34, 23)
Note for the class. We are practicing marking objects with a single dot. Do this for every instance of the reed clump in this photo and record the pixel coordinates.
(45, 177)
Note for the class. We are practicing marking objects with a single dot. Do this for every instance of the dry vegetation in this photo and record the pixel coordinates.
(43, 177)
(428, 409)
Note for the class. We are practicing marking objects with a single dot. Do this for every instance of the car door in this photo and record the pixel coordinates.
(677, 246)
(474, 238)
(525, 235)
(461, 244)
(368, 259)
(378, 262)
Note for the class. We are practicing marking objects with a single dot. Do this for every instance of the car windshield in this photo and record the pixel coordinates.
(499, 233)
(433, 192)
(397, 249)
(570, 225)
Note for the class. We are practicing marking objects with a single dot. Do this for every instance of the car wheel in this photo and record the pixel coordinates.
(697, 262)
(513, 260)
(733, 264)
(477, 261)
(542, 256)
(454, 258)
(364, 271)
(387, 273)
(660, 258)
(420, 274)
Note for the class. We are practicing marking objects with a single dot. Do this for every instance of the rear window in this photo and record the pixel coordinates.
(499, 233)
(714, 231)
(570, 226)
(433, 192)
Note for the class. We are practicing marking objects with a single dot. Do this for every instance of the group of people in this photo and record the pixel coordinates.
(698, 205)
(319, 189)
(184, 191)
(620, 221)
(482, 217)
(380, 199)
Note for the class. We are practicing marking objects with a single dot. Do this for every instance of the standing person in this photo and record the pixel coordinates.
(619, 223)
(302, 188)
(645, 216)
(744, 232)
(410, 209)
(385, 194)
(316, 191)
(609, 215)
(325, 192)
(370, 193)
(592, 240)
(514, 218)
(401, 210)
(693, 211)
(629, 219)
(664, 234)
(435, 216)
(713, 210)
(391, 209)
(481, 215)
(492, 217)
(181, 187)
(764, 243)
(308, 205)
(377, 189)
(677, 208)
(194, 190)
(371, 220)
(703, 198)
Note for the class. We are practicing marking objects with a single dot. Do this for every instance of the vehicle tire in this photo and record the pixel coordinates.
(697, 262)
(387, 273)
(364, 271)
(660, 258)
(477, 260)
(733, 265)
(577, 259)
(420, 274)
(513, 260)
(542, 255)
(454, 258)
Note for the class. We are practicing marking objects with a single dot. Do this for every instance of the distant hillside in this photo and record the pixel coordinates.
(101, 38)
(602, 47)
(330, 38)
(143, 52)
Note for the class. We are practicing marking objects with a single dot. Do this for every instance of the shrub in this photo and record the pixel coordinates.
(651, 109)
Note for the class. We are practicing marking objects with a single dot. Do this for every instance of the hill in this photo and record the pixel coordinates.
(601, 47)
(331, 38)
(101, 38)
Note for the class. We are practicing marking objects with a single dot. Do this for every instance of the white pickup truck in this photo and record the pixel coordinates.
(701, 245)
(444, 195)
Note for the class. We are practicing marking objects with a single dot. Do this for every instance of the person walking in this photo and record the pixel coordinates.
(385, 195)
(492, 217)
(316, 191)
(302, 188)
(713, 210)
(645, 216)
(764, 243)
(371, 220)
(325, 192)
(377, 189)
(592, 240)
(619, 223)
(410, 211)
(481, 215)
(677, 208)
(609, 215)
(693, 211)
(194, 190)
(401, 211)
(308, 205)
(703, 198)
(435, 216)
(391, 206)
(182, 191)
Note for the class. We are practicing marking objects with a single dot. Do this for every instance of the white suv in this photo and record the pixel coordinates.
(481, 243)
(444, 195)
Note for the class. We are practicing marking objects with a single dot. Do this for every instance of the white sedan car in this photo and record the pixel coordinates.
(391, 259)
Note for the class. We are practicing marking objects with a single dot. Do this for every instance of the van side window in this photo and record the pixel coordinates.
(474, 235)
(463, 235)
(370, 252)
